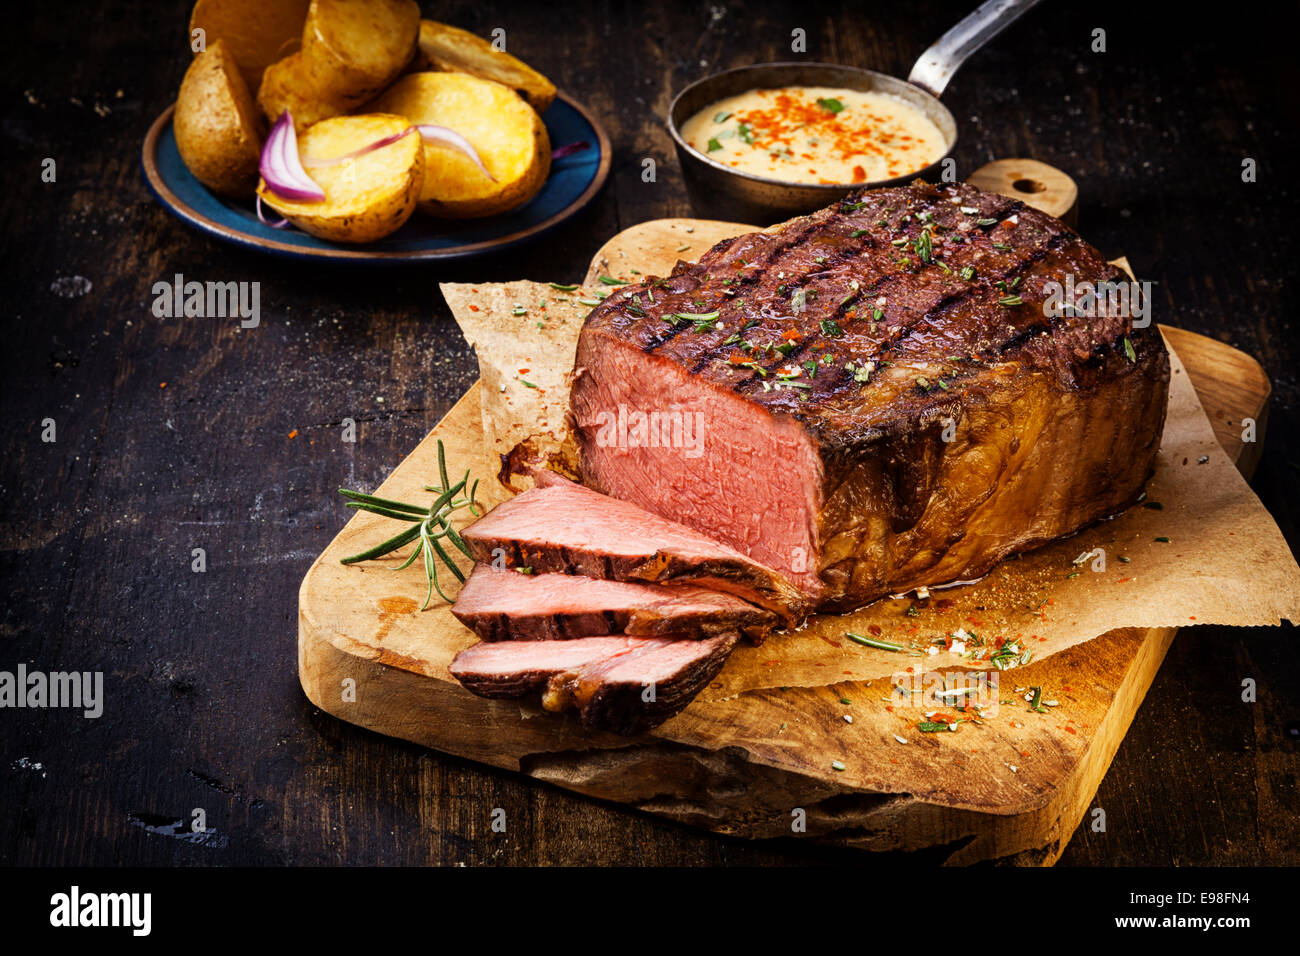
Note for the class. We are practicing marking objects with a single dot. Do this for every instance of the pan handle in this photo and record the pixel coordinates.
(938, 64)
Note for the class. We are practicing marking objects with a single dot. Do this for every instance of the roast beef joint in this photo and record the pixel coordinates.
(870, 399)
(882, 399)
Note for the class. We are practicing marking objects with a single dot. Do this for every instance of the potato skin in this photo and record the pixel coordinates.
(451, 49)
(255, 32)
(352, 51)
(507, 133)
(385, 201)
(218, 129)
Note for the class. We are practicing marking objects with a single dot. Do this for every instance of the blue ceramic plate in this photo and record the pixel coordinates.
(573, 182)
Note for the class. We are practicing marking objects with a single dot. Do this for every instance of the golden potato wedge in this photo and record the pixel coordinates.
(451, 49)
(218, 130)
(256, 32)
(506, 132)
(286, 86)
(353, 49)
(366, 197)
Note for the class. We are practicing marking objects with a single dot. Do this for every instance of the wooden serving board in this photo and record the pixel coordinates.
(747, 766)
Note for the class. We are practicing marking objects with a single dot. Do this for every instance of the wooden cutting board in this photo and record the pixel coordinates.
(756, 764)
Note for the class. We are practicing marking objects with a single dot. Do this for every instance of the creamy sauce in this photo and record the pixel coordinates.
(815, 134)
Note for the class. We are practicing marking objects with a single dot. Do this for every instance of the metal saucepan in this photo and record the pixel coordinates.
(720, 192)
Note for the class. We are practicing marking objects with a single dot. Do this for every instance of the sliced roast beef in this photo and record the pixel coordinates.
(620, 684)
(509, 606)
(877, 396)
(562, 527)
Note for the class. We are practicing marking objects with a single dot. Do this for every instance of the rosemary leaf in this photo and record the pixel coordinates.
(385, 502)
(442, 468)
(379, 550)
(446, 559)
(377, 510)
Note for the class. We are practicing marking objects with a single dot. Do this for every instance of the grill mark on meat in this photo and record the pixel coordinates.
(897, 333)
(836, 258)
(708, 259)
(981, 287)
(716, 352)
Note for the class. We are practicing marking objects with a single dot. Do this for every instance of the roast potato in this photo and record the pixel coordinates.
(353, 49)
(256, 32)
(506, 132)
(218, 129)
(448, 48)
(285, 86)
(366, 197)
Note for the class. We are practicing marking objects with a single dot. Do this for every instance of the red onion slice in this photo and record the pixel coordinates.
(570, 149)
(285, 175)
(435, 134)
(281, 167)
(266, 222)
(377, 144)
(449, 137)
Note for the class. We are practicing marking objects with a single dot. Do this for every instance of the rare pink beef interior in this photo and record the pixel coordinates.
(687, 450)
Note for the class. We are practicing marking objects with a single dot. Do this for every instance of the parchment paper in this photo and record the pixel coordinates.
(525, 335)
(1225, 561)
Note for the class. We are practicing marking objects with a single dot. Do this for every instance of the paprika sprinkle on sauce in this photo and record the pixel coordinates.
(813, 134)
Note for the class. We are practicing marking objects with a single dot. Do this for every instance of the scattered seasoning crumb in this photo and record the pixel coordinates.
(848, 718)
(901, 740)
(935, 726)
(294, 433)
(1163, 539)
(836, 765)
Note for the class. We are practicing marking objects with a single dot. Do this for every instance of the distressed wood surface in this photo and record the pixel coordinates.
(203, 708)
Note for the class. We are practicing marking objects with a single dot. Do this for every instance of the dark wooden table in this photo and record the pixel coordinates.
(176, 434)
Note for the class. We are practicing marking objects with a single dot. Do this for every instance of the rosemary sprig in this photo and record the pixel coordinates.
(430, 526)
